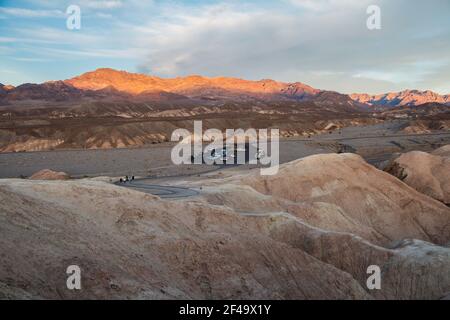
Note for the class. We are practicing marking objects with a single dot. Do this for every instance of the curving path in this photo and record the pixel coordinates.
(168, 192)
(164, 192)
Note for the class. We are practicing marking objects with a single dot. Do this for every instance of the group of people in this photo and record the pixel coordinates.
(126, 179)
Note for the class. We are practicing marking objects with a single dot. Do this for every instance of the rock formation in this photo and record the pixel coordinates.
(427, 173)
(309, 232)
(403, 98)
(47, 174)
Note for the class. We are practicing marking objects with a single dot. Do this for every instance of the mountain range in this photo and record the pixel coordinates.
(110, 84)
(107, 108)
(403, 98)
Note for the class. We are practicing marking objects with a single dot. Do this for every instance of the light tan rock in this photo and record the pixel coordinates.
(442, 152)
(309, 232)
(47, 174)
(427, 173)
(130, 244)
(346, 194)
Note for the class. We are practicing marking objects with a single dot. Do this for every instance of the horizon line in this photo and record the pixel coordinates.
(224, 77)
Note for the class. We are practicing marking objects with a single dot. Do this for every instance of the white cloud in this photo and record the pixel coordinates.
(56, 36)
(102, 4)
(30, 13)
(327, 5)
(324, 43)
(331, 50)
(30, 59)
(104, 15)
(93, 53)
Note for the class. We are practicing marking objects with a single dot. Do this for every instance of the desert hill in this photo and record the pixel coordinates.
(107, 108)
(342, 193)
(106, 84)
(191, 86)
(427, 173)
(309, 232)
(110, 84)
(113, 85)
(403, 98)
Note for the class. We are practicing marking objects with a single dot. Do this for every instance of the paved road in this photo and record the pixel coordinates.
(164, 192)
(376, 153)
(169, 192)
(156, 161)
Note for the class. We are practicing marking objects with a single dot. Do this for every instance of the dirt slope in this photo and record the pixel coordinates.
(427, 173)
(134, 245)
(442, 152)
(309, 232)
(346, 194)
(47, 174)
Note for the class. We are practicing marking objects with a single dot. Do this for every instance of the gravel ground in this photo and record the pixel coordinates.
(376, 143)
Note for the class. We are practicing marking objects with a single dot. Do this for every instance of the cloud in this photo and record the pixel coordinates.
(332, 49)
(57, 36)
(253, 43)
(328, 5)
(216, 36)
(102, 4)
(30, 13)
(324, 43)
(93, 4)
(92, 53)
(24, 59)
(104, 15)
(9, 71)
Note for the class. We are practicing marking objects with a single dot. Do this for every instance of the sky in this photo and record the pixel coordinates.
(323, 43)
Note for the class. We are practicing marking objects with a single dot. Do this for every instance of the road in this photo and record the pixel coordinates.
(169, 192)
(164, 192)
(375, 149)
(375, 143)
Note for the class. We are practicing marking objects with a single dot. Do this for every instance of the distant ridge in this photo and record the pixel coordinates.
(403, 98)
(191, 86)
(113, 85)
